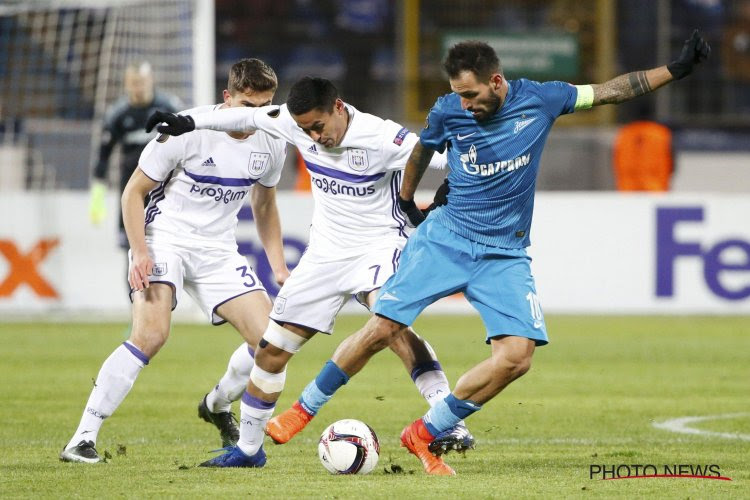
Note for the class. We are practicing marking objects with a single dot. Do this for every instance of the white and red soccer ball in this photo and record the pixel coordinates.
(349, 447)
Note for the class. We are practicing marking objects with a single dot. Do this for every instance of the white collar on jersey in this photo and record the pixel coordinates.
(350, 111)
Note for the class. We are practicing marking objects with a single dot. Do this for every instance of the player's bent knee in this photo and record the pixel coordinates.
(511, 367)
(149, 342)
(268, 382)
(381, 332)
(522, 366)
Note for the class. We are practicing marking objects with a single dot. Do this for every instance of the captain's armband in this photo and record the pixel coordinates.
(585, 99)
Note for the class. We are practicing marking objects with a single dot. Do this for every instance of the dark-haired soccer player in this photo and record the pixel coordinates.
(494, 130)
(355, 160)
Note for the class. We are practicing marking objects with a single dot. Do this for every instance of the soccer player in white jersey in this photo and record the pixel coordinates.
(357, 233)
(185, 239)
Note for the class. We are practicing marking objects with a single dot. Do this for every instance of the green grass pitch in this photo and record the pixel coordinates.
(591, 397)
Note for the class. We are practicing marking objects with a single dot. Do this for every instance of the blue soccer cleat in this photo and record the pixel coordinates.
(235, 457)
(457, 439)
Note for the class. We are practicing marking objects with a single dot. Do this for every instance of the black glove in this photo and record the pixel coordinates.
(440, 199)
(695, 51)
(412, 212)
(175, 124)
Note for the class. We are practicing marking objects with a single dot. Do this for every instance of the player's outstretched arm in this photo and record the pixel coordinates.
(240, 119)
(626, 87)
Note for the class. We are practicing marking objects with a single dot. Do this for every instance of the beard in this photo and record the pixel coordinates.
(488, 108)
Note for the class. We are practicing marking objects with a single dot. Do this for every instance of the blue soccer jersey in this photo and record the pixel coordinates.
(494, 163)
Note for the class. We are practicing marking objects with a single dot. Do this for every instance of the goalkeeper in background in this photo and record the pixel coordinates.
(124, 123)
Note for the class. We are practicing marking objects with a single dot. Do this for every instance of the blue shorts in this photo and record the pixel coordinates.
(437, 262)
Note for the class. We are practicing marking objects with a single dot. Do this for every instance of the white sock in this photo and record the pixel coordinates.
(433, 385)
(253, 418)
(233, 383)
(115, 379)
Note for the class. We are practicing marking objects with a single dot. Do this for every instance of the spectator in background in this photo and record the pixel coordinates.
(124, 123)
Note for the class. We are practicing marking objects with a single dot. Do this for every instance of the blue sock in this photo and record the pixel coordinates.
(319, 391)
(447, 413)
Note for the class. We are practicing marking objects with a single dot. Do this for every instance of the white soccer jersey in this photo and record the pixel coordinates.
(205, 178)
(355, 185)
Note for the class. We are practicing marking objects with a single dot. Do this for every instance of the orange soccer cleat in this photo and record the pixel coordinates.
(286, 425)
(416, 438)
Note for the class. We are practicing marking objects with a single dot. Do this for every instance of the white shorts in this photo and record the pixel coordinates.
(211, 276)
(319, 287)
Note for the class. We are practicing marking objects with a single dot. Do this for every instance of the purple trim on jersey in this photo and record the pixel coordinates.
(395, 211)
(136, 352)
(157, 195)
(422, 368)
(213, 311)
(221, 181)
(363, 294)
(258, 403)
(394, 260)
(337, 174)
(251, 351)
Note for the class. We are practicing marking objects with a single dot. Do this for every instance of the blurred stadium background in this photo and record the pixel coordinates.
(683, 247)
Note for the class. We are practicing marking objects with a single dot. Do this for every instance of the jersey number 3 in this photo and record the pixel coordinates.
(246, 274)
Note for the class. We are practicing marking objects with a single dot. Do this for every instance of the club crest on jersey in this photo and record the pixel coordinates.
(522, 124)
(258, 163)
(159, 269)
(473, 154)
(358, 159)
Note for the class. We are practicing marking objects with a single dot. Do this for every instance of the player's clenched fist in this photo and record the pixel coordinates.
(694, 51)
(175, 124)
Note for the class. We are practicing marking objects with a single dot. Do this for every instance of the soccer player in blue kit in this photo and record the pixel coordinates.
(494, 130)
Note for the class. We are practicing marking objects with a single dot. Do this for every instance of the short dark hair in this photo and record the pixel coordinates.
(311, 93)
(477, 57)
(251, 74)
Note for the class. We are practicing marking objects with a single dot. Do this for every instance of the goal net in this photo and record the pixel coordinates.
(62, 64)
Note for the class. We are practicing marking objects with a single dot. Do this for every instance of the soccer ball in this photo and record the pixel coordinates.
(349, 447)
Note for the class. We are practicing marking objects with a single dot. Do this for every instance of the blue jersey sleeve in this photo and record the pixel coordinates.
(434, 135)
(559, 97)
